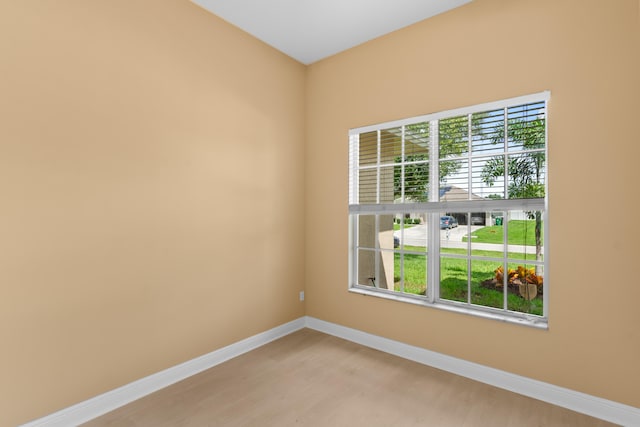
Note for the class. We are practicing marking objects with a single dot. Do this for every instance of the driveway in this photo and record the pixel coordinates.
(417, 236)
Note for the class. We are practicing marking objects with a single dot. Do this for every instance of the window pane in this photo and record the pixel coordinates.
(487, 237)
(487, 178)
(415, 274)
(416, 142)
(453, 271)
(525, 232)
(525, 284)
(454, 180)
(366, 267)
(411, 232)
(368, 148)
(454, 275)
(526, 127)
(368, 186)
(526, 173)
(387, 272)
(390, 145)
(416, 181)
(451, 233)
(453, 135)
(385, 232)
(398, 278)
(484, 289)
(387, 188)
(487, 132)
(366, 231)
(398, 182)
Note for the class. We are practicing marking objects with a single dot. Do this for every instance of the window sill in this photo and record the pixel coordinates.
(507, 317)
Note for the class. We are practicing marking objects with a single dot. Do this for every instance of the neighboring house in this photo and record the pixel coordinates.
(452, 193)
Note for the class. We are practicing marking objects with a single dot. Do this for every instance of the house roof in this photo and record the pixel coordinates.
(451, 192)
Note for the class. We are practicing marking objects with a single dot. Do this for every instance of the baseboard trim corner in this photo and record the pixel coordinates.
(101, 404)
(576, 401)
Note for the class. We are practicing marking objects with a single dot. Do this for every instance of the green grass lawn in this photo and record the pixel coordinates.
(521, 232)
(415, 273)
(454, 278)
(396, 227)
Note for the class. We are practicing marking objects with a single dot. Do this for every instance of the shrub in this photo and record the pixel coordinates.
(517, 277)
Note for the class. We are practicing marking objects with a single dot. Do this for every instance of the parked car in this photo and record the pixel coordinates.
(448, 221)
(477, 220)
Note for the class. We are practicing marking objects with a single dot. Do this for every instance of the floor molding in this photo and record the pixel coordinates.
(99, 405)
(580, 402)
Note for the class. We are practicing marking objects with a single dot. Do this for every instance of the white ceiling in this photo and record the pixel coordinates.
(310, 30)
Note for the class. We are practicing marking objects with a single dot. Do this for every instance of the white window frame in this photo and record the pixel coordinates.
(434, 208)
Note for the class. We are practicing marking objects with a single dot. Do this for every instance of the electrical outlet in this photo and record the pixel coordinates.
(301, 295)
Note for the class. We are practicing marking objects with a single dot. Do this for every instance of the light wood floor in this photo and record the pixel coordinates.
(312, 379)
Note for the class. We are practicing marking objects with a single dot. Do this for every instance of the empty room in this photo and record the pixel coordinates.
(340, 212)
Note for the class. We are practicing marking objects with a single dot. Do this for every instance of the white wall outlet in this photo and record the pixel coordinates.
(301, 295)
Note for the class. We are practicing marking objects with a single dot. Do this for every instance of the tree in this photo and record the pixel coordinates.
(524, 170)
(453, 136)
(416, 177)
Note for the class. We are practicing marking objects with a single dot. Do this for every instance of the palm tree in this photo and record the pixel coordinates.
(525, 170)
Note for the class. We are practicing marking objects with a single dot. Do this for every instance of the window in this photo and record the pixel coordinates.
(471, 240)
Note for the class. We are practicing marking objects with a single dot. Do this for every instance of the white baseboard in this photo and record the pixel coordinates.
(580, 402)
(99, 405)
(590, 405)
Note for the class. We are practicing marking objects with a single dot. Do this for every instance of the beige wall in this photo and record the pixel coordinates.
(128, 129)
(151, 194)
(587, 53)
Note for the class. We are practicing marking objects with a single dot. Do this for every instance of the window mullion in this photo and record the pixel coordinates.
(354, 171)
(377, 252)
(505, 262)
(401, 271)
(505, 135)
(402, 162)
(455, 206)
(469, 197)
(469, 266)
(402, 200)
(433, 221)
(434, 167)
(354, 226)
(378, 155)
(469, 160)
(545, 271)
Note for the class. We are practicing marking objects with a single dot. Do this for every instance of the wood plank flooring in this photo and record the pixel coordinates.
(312, 379)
